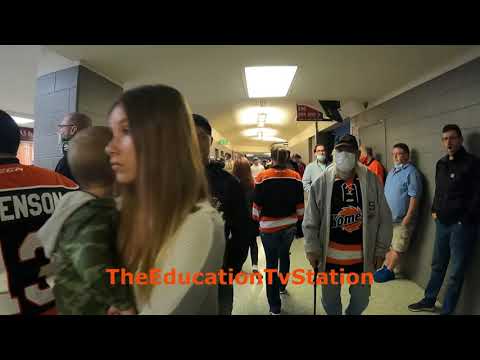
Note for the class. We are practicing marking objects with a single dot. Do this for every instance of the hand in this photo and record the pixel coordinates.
(406, 221)
(434, 216)
(112, 310)
(313, 259)
(379, 260)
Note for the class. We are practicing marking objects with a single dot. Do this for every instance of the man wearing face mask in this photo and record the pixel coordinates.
(68, 127)
(347, 226)
(316, 167)
(366, 158)
(403, 189)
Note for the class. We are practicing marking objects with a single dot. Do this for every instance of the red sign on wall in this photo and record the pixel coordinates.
(26, 134)
(308, 113)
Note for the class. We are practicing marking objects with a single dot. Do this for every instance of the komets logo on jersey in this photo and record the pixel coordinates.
(349, 219)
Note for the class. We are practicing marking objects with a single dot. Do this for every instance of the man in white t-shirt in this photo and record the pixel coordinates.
(256, 168)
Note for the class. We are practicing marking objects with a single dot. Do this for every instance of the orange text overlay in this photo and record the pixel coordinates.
(297, 277)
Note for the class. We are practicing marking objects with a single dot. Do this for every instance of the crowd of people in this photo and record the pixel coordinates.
(112, 211)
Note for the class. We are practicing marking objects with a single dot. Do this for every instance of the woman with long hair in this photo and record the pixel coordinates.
(241, 169)
(278, 205)
(167, 222)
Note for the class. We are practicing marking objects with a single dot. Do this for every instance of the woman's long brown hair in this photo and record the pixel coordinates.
(241, 169)
(170, 175)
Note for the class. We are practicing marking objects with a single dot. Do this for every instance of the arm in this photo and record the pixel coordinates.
(300, 206)
(197, 255)
(474, 205)
(414, 191)
(307, 179)
(436, 195)
(385, 228)
(312, 221)
(237, 216)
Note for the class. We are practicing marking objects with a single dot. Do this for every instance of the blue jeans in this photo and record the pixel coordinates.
(332, 301)
(277, 248)
(452, 242)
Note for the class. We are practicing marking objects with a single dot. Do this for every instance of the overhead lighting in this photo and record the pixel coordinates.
(269, 81)
(254, 132)
(261, 118)
(21, 120)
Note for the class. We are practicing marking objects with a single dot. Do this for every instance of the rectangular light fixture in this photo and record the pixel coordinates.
(21, 120)
(262, 117)
(269, 81)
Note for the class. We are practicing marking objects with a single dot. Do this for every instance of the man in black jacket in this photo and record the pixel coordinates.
(455, 209)
(68, 127)
(228, 198)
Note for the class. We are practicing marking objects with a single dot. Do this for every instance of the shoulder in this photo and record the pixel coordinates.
(48, 177)
(202, 232)
(96, 211)
(293, 174)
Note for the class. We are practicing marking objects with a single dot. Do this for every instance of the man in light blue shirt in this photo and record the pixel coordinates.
(403, 189)
(316, 167)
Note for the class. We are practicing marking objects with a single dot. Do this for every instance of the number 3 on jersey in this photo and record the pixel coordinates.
(9, 303)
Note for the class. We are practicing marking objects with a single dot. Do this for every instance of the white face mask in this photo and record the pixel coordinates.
(345, 161)
(321, 158)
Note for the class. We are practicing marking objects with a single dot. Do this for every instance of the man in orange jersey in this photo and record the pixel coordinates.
(375, 166)
(28, 196)
(347, 226)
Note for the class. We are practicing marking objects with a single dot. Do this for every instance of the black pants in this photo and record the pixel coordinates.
(254, 250)
(225, 299)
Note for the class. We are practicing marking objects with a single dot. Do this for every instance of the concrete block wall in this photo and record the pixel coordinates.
(56, 95)
(76, 89)
(416, 118)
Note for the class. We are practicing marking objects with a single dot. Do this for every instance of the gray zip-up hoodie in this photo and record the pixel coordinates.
(377, 218)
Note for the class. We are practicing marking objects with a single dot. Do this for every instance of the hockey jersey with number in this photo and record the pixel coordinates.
(28, 196)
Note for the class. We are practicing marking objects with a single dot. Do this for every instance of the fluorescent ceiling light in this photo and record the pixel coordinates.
(255, 131)
(249, 115)
(269, 81)
(22, 120)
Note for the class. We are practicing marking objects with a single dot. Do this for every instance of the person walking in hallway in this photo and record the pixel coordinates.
(278, 205)
(347, 226)
(316, 167)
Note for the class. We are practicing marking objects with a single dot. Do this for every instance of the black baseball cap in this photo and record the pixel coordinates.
(347, 142)
(9, 134)
(203, 123)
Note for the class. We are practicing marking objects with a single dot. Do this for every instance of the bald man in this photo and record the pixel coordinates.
(68, 127)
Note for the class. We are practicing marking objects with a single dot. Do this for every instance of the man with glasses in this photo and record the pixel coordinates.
(68, 127)
(455, 211)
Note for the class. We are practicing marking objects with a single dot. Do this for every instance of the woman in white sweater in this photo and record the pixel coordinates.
(167, 222)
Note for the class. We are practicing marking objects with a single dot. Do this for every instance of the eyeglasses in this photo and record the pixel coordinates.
(62, 126)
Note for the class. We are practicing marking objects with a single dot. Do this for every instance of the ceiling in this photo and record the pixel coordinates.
(211, 77)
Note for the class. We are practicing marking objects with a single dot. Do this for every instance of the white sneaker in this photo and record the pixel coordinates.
(255, 268)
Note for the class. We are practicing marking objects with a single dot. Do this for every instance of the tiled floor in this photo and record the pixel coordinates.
(391, 298)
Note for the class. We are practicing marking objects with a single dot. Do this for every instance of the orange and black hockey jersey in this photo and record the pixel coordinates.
(28, 196)
(278, 199)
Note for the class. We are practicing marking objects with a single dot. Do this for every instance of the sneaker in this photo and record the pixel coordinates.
(275, 313)
(422, 305)
(284, 292)
(255, 268)
(383, 275)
